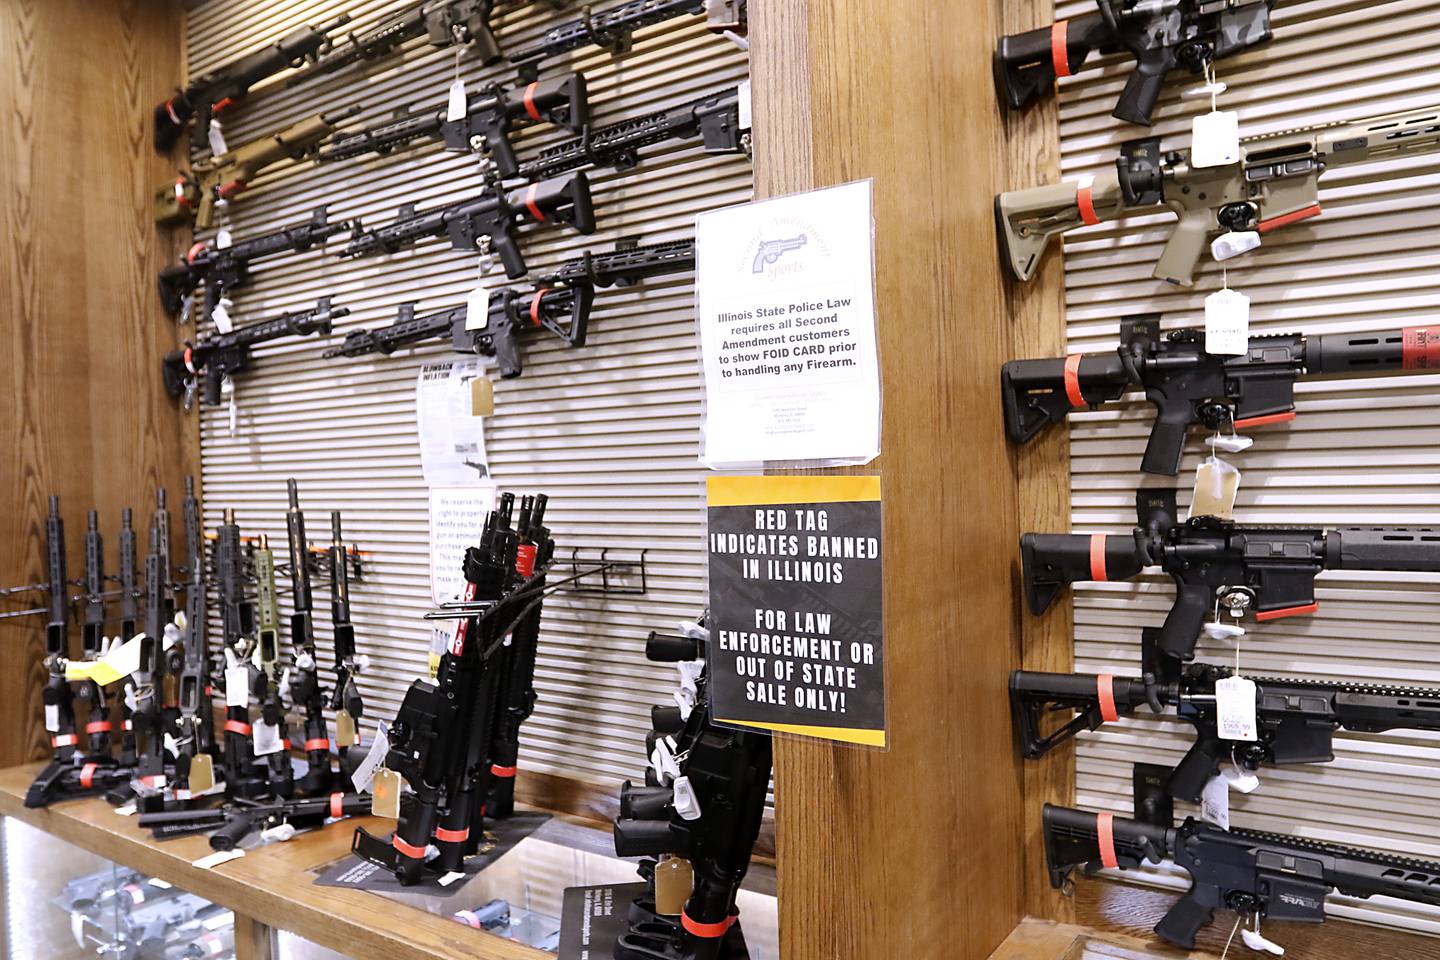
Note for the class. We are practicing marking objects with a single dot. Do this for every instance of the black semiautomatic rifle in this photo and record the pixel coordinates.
(265, 672)
(227, 85)
(441, 735)
(98, 726)
(237, 618)
(559, 303)
(714, 118)
(484, 129)
(345, 699)
(1255, 874)
(224, 354)
(225, 268)
(196, 725)
(442, 23)
(1189, 386)
(305, 689)
(57, 696)
(709, 814)
(1160, 36)
(613, 28)
(228, 825)
(1219, 565)
(486, 223)
(129, 620)
(515, 693)
(1296, 719)
(147, 683)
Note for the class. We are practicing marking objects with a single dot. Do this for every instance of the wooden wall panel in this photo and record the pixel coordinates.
(911, 852)
(82, 410)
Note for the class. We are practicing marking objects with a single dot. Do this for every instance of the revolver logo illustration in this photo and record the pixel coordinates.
(772, 250)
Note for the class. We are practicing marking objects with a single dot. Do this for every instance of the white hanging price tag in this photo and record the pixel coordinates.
(1227, 323)
(237, 686)
(743, 96)
(662, 760)
(455, 107)
(364, 775)
(1216, 484)
(267, 738)
(216, 136)
(1215, 803)
(1235, 709)
(1215, 139)
(52, 718)
(477, 308)
(223, 240)
(221, 316)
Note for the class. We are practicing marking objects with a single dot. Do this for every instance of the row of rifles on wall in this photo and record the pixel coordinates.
(235, 740)
(1223, 570)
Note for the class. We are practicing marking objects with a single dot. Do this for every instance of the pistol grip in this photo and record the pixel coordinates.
(1166, 446)
(1186, 619)
(1142, 90)
(1182, 253)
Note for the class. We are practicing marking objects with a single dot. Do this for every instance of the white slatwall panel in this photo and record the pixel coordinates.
(1360, 452)
(610, 432)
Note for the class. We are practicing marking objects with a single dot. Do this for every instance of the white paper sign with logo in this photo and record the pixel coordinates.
(785, 296)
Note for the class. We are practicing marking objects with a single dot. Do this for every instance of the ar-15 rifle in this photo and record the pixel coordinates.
(714, 118)
(57, 696)
(265, 671)
(1296, 719)
(92, 643)
(708, 813)
(195, 195)
(442, 732)
(233, 822)
(225, 86)
(1189, 386)
(486, 223)
(225, 354)
(237, 618)
(515, 694)
(1274, 184)
(195, 765)
(345, 700)
(1160, 36)
(223, 269)
(1255, 874)
(613, 28)
(305, 689)
(484, 129)
(560, 304)
(442, 22)
(1219, 564)
(129, 618)
(147, 683)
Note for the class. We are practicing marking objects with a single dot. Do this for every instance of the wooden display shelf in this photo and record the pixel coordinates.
(270, 887)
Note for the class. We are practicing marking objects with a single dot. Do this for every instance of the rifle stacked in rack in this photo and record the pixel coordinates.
(265, 673)
(305, 689)
(195, 728)
(484, 129)
(559, 303)
(345, 700)
(237, 617)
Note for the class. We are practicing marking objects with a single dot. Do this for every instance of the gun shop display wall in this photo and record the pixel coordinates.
(700, 479)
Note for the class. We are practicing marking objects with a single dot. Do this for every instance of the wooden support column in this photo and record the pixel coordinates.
(914, 852)
(82, 410)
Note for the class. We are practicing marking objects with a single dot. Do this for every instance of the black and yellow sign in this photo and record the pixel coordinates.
(796, 606)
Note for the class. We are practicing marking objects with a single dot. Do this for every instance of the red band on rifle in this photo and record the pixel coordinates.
(1105, 690)
(1059, 42)
(87, 775)
(707, 930)
(530, 204)
(98, 726)
(1419, 349)
(1072, 381)
(1097, 557)
(180, 198)
(285, 743)
(67, 740)
(194, 252)
(228, 190)
(1105, 833)
(190, 359)
(525, 559)
(137, 895)
(506, 772)
(407, 849)
(530, 101)
(337, 805)
(227, 102)
(1275, 223)
(237, 726)
(174, 117)
(1085, 200)
(126, 725)
(468, 918)
(535, 305)
(319, 743)
(1287, 612)
(452, 836)
(1265, 420)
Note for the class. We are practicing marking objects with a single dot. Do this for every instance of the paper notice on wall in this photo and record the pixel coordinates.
(457, 514)
(785, 297)
(452, 440)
